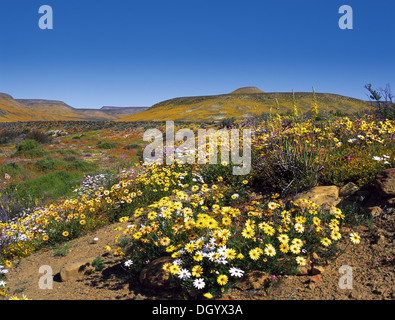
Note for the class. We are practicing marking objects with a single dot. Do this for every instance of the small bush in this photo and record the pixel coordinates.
(98, 264)
(48, 164)
(74, 163)
(131, 146)
(106, 145)
(62, 250)
(18, 250)
(357, 167)
(39, 136)
(26, 145)
(11, 168)
(33, 153)
(7, 135)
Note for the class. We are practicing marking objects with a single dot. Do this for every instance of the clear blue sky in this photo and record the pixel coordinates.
(137, 53)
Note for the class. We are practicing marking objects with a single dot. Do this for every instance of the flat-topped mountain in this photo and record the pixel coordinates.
(244, 103)
(12, 110)
(247, 90)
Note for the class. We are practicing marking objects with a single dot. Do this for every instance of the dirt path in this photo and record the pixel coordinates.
(372, 263)
(23, 278)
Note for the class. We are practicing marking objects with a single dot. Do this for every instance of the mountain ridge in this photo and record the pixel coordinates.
(244, 103)
(14, 110)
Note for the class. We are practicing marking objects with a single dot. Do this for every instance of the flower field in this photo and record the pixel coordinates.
(215, 226)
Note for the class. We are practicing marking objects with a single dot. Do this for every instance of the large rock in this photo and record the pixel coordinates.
(348, 189)
(385, 182)
(153, 276)
(321, 195)
(76, 270)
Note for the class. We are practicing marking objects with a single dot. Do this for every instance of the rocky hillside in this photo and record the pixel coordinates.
(13, 110)
(243, 103)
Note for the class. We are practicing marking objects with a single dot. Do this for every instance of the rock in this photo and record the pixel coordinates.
(391, 202)
(314, 256)
(253, 280)
(385, 182)
(355, 295)
(76, 270)
(321, 195)
(380, 240)
(311, 285)
(318, 261)
(316, 278)
(375, 211)
(153, 276)
(315, 270)
(348, 189)
(303, 270)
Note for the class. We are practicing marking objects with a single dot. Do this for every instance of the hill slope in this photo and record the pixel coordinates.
(246, 104)
(13, 110)
(58, 110)
(247, 90)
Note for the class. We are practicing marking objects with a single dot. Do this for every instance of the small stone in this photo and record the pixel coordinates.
(253, 280)
(315, 256)
(311, 285)
(317, 270)
(354, 295)
(76, 270)
(303, 270)
(375, 211)
(317, 278)
(381, 240)
(348, 189)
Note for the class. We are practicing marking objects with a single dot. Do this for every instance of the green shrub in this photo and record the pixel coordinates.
(33, 153)
(358, 168)
(7, 135)
(132, 146)
(11, 168)
(48, 164)
(106, 145)
(26, 145)
(39, 136)
(98, 264)
(74, 163)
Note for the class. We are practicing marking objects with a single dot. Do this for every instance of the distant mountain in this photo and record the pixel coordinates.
(12, 110)
(247, 90)
(122, 111)
(243, 103)
(58, 110)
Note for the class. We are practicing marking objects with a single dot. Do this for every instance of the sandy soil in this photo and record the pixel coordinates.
(372, 263)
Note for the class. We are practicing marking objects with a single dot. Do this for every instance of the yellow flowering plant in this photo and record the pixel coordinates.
(212, 244)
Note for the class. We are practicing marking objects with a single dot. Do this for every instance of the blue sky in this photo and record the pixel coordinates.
(138, 53)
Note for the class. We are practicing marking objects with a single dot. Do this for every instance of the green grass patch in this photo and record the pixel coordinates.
(49, 186)
(106, 145)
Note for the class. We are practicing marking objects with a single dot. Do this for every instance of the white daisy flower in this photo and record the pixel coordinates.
(236, 272)
(128, 263)
(199, 283)
(184, 274)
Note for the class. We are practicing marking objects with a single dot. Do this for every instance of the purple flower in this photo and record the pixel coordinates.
(273, 277)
